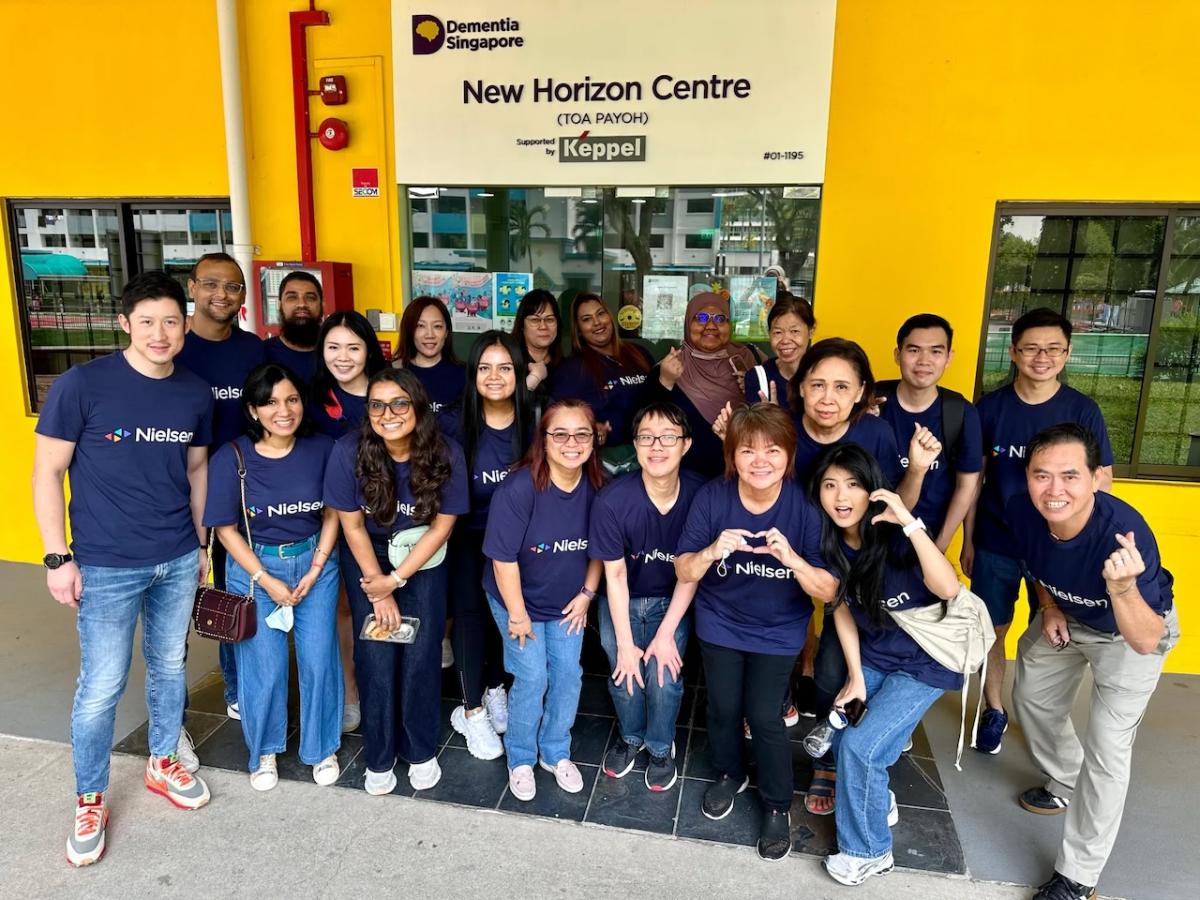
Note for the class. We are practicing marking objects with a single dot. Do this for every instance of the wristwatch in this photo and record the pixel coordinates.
(914, 525)
(54, 560)
(588, 592)
(400, 580)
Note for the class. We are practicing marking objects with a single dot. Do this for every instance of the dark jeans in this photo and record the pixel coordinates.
(399, 685)
(478, 651)
(829, 666)
(225, 651)
(748, 686)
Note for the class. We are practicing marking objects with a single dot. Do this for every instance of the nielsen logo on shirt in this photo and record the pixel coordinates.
(1068, 597)
(1011, 451)
(654, 555)
(898, 601)
(404, 509)
(758, 569)
(492, 476)
(151, 435)
(625, 381)
(934, 465)
(291, 509)
(568, 546)
(229, 392)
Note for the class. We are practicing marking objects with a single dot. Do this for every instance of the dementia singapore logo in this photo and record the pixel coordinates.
(430, 34)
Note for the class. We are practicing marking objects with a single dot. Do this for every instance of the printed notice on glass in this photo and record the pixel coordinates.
(508, 288)
(468, 296)
(664, 302)
(750, 302)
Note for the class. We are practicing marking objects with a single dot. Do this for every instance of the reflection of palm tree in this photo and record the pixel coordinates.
(589, 229)
(521, 226)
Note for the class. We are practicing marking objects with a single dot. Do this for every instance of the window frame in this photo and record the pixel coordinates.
(1172, 211)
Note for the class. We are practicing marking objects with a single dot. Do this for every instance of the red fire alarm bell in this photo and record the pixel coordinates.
(333, 90)
(333, 134)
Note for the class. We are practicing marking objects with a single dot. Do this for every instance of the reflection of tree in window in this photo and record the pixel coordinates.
(523, 223)
(790, 225)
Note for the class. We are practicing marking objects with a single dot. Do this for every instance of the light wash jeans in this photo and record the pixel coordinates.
(542, 702)
(109, 607)
(895, 704)
(262, 662)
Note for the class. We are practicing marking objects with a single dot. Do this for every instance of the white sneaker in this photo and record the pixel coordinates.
(379, 783)
(447, 653)
(351, 717)
(893, 810)
(326, 772)
(566, 773)
(423, 776)
(853, 870)
(482, 741)
(495, 701)
(267, 775)
(231, 710)
(186, 751)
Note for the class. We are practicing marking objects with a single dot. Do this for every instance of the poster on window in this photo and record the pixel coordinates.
(507, 289)
(750, 302)
(468, 296)
(664, 301)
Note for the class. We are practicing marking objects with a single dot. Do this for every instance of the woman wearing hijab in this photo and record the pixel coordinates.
(706, 373)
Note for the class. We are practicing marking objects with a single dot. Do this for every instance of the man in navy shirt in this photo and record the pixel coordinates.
(1105, 602)
(1010, 416)
(301, 304)
(217, 350)
(923, 351)
(131, 431)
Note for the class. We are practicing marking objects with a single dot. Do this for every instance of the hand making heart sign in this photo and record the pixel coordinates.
(737, 540)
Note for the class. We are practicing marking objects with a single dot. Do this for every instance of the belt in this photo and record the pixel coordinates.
(288, 551)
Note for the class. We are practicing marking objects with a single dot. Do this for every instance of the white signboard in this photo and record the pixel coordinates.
(532, 92)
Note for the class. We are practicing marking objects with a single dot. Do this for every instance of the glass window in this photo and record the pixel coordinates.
(700, 205)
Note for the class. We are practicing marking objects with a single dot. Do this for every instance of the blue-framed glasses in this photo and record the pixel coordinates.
(716, 318)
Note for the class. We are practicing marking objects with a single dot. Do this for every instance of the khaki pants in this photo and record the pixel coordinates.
(1094, 774)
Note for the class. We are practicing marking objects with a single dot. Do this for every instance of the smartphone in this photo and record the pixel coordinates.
(855, 710)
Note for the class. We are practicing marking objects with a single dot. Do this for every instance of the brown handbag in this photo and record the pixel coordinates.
(223, 615)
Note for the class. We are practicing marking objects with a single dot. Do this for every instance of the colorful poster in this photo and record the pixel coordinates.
(468, 296)
(750, 301)
(664, 301)
(508, 288)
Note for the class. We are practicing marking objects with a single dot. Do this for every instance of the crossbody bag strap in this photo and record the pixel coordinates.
(241, 470)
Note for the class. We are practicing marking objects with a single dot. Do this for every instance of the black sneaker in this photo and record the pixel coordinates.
(718, 799)
(660, 772)
(992, 725)
(1041, 801)
(775, 840)
(620, 758)
(1060, 887)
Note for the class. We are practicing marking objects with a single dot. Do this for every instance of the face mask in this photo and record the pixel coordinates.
(281, 619)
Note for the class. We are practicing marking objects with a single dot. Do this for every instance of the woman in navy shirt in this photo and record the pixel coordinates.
(494, 432)
(397, 474)
(885, 561)
(427, 351)
(292, 560)
(790, 325)
(752, 607)
(539, 587)
(536, 328)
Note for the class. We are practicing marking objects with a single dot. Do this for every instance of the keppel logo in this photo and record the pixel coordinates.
(597, 148)
(117, 434)
(428, 35)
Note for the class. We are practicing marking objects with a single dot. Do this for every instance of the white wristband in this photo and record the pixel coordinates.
(912, 526)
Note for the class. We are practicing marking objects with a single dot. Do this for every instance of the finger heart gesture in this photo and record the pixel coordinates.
(1124, 564)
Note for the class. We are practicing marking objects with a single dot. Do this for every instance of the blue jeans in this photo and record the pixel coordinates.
(997, 581)
(399, 685)
(547, 678)
(647, 716)
(109, 607)
(262, 662)
(896, 702)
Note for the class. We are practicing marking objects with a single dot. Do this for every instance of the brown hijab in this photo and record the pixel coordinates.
(709, 379)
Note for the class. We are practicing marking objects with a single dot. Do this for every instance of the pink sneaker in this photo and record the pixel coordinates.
(521, 783)
(566, 774)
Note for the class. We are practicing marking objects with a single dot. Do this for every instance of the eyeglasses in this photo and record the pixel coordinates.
(398, 405)
(649, 440)
(540, 321)
(565, 437)
(1032, 351)
(211, 284)
(716, 318)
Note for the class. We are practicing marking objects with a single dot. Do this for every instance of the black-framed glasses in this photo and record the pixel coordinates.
(211, 284)
(649, 440)
(1032, 351)
(716, 318)
(398, 405)
(564, 437)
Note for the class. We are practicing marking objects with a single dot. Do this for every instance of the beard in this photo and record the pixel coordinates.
(301, 332)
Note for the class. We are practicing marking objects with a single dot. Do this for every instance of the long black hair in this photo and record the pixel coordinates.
(257, 390)
(862, 579)
(472, 404)
(323, 381)
(408, 329)
(428, 459)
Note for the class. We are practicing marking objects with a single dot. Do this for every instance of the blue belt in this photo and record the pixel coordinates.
(288, 551)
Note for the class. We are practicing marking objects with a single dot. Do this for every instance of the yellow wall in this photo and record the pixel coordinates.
(939, 110)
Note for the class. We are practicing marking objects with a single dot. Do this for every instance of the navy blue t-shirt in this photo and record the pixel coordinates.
(224, 365)
(757, 606)
(340, 414)
(1009, 423)
(302, 362)
(444, 383)
(343, 492)
(546, 534)
(888, 647)
(626, 524)
(615, 401)
(130, 495)
(775, 377)
(940, 481)
(1073, 571)
(283, 496)
(868, 432)
(494, 458)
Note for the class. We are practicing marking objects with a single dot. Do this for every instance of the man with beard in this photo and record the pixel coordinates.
(301, 302)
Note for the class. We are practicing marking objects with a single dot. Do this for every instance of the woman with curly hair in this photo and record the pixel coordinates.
(397, 483)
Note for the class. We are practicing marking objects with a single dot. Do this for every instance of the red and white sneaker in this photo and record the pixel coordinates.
(167, 776)
(86, 842)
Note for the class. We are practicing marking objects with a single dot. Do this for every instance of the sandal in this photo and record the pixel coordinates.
(823, 787)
